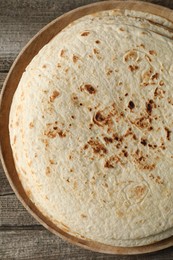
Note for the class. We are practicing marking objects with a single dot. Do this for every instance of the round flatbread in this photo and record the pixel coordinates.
(91, 129)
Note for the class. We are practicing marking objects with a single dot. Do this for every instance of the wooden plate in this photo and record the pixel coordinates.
(10, 85)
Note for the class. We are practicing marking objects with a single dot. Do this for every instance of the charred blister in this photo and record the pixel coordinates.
(88, 88)
(97, 147)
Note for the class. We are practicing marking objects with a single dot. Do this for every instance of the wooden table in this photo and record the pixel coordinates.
(22, 237)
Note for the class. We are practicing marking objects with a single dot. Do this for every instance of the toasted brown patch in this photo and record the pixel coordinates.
(52, 133)
(144, 142)
(155, 76)
(168, 134)
(120, 213)
(75, 58)
(31, 125)
(99, 118)
(85, 33)
(121, 29)
(14, 140)
(139, 191)
(83, 216)
(54, 95)
(152, 52)
(90, 88)
(142, 161)
(48, 171)
(96, 51)
(98, 148)
(109, 72)
(44, 66)
(52, 161)
(97, 41)
(108, 140)
(149, 106)
(62, 53)
(156, 178)
(130, 55)
(133, 67)
(112, 161)
(131, 105)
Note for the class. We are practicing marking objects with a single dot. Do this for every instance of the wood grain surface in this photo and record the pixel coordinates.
(21, 237)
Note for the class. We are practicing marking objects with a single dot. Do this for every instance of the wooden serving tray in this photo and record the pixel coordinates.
(10, 85)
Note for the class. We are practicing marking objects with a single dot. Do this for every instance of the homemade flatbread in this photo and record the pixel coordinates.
(91, 128)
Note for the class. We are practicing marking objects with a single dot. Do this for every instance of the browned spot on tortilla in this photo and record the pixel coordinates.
(90, 126)
(44, 66)
(133, 67)
(147, 76)
(97, 41)
(96, 51)
(159, 92)
(112, 161)
(31, 125)
(139, 191)
(156, 178)
(14, 141)
(85, 146)
(152, 52)
(108, 140)
(168, 134)
(54, 95)
(98, 148)
(155, 76)
(52, 133)
(161, 83)
(90, 88)
(120, 213)
(142, 45)
(149, 106)
(121, 29)
(141, 160)
(85, 33)
(130, 55)
(131, 105)
(109, 72)
(83, 216)
(48, 171)
(73, 117)
(62, 53)
(52, 161)
(125, 153)
(99, 118)
(75, 58)
(144, 142)
(59, 65)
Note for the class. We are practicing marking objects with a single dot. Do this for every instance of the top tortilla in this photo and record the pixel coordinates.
(91, 129)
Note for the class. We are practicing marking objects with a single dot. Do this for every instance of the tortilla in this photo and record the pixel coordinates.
(91, 129)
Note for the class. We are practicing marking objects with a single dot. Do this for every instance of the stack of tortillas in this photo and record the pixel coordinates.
(91, 128)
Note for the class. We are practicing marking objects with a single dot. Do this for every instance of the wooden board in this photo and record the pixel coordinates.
(44, 36)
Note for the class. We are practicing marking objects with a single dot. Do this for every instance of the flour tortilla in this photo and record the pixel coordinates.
(91, 129)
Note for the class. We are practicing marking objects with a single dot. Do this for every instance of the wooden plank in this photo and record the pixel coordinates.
(13, 213)
(40, 244)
